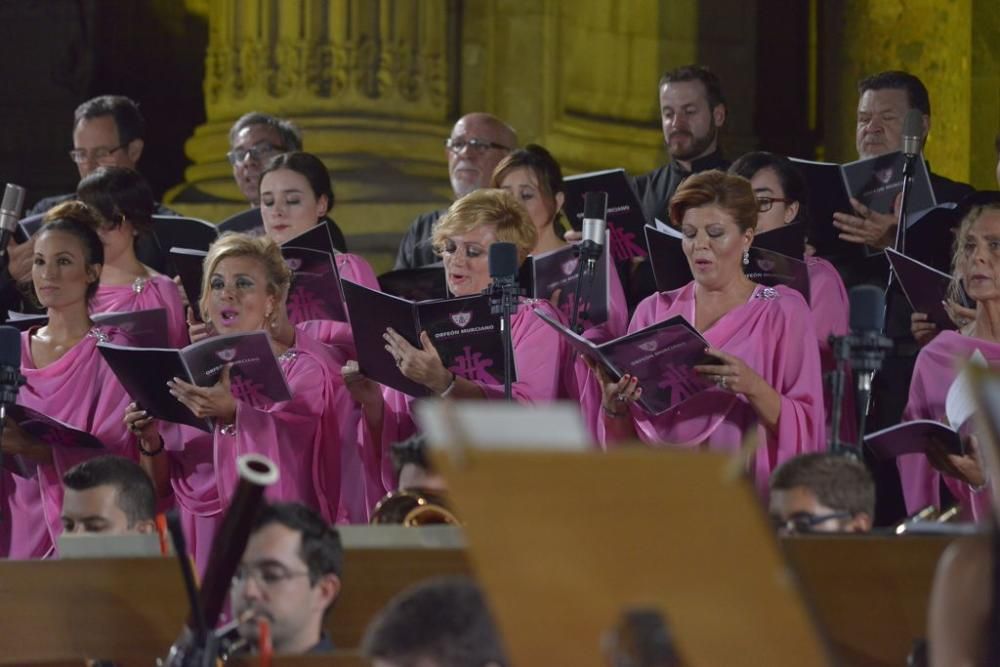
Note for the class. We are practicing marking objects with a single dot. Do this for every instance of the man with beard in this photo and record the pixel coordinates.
(289, 576)
(477, 144)
(692, 111)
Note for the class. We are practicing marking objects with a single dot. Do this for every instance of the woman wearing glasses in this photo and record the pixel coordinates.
(781, 194)
(125, 203)
(764, 362)
(462, 238)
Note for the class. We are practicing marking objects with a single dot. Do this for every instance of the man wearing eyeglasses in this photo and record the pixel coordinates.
(289, 577)
(477, 144)
(822, 493)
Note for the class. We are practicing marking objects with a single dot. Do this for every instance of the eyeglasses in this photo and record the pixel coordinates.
(81, 155)
(266, 575)
(258, 152)
(477, 146)
(764, 204)
(803, 522)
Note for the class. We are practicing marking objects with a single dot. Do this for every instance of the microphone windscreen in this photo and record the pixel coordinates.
(13, 200)
(913, 130)
(595, 205)
(10, 347)
(867, 308)
(503, 260)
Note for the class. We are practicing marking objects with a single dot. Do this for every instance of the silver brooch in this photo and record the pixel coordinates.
(138, 285)
(99, 335)
(767, 293)
(288, 355)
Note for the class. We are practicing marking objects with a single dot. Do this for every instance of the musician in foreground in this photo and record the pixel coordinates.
(976, 263)
(462, 238)
(762, 355)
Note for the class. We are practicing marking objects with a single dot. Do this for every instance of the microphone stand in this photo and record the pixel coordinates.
(585, 269)
(864, 353)
(503, 293)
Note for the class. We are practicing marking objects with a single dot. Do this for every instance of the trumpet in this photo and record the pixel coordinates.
(413, 507)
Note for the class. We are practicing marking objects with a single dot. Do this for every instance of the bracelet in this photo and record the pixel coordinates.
(612, 413)
(982, 487)
(149, 452)
(450, 387)
(228, 429)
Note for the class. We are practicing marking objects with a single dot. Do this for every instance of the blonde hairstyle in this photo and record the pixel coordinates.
(976, 212)
(498, 208)
(730, 192)
(261, 248)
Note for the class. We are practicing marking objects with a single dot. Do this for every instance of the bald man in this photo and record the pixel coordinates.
(477, 144)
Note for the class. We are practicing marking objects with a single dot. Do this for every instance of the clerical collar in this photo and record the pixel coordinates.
(713, 160)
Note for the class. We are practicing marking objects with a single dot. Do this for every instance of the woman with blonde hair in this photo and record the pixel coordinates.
(244, 289)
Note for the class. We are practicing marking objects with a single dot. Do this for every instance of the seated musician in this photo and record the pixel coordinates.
(442, 622)
(822, 493)
(110, 495)
(289, 577)
(765, 361)
(977, 263)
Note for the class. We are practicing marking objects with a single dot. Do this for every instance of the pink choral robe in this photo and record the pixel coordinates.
(299, 435)
(773, 334)
(935, 371)
(357, 495)
(831, 312)
(146, 294)
(538, 356)
(80, 390)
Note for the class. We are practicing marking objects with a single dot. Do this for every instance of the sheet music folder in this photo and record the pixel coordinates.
(562, 550)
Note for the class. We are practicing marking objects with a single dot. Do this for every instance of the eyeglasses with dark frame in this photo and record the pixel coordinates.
(265, 575)
(764, 204)
(478, 146)
(803, 522)
(80, 155)
(258, 152)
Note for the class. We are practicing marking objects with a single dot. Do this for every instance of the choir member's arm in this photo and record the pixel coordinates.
(18, 442)
(615, 400)
(733, 374)
(425, 366)
(867, 227)
(367, 394)
(215, 402)
(150, 443)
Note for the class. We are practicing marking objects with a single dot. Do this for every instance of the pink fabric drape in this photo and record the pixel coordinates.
(155, 292)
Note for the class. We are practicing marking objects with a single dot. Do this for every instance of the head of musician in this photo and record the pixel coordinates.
(110, 495)
(442, 622)
(534, 177)
(778, 186)
(883, 102)
(413, 468)
(464, 235)
(289, 576)
(822, 493)
(125, 203)
(245, 285)
(295, 194)
(69, 256)
(717, 214)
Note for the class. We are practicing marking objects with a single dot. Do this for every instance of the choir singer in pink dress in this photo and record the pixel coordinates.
(781, 197)
(977, 260)
(766, 370)
(67, 380)
(463, 238)
(125, 203)
(244, 289)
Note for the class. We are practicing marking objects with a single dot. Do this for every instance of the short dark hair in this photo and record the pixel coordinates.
(445, 620)
(713, 87)
(838, 481)
(321, 549)
(134, 492)
(291, 136)
(117, 193)
(79, 220)
(916, 91)
(792, 183)
(128, 120)
(307, 165)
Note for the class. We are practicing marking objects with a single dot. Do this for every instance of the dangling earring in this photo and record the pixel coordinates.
(746, 257)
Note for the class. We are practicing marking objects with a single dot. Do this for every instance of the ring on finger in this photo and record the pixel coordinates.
(721, 381)
(621, 398)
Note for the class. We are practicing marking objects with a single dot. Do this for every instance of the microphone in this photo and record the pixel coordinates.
(10, 213)
(913, 128)
(503, 262)
(595, 212)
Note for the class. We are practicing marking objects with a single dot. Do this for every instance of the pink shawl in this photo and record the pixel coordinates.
(155, 292)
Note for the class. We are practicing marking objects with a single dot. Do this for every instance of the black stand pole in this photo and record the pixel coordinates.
(503, 298)
(584, 272)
